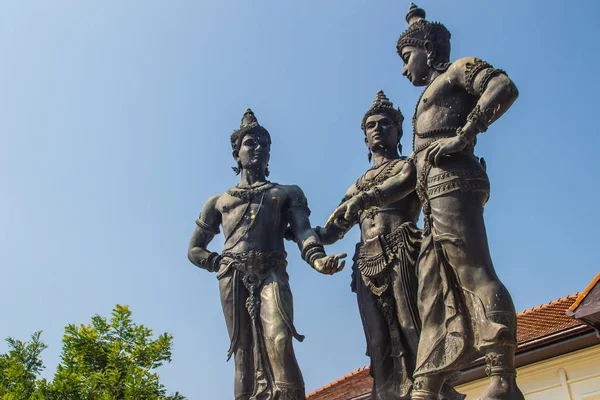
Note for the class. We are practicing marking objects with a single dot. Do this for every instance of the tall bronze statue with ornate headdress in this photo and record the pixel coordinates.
(383, 275)
(251, 269)
(465, 310)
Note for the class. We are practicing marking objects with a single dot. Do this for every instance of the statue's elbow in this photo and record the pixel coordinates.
(509, 89)
(190, 256)
(513, 91)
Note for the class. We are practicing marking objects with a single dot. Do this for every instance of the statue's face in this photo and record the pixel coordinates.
(381, 132)
(415, 65)
(254, 152)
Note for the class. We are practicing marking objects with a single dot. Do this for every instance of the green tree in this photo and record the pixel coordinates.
(105, 360)
(20, 368)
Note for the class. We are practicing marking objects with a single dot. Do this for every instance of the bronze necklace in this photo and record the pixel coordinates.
(247, 194)
(362, 184)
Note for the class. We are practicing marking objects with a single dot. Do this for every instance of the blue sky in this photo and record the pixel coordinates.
(114, 130)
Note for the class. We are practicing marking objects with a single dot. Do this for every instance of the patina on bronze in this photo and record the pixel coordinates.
(465, 310)
(383, 273)
(253, 282)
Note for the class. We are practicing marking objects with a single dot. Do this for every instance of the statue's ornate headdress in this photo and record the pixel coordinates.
(383, 105)
(419, 31)
(248, 125)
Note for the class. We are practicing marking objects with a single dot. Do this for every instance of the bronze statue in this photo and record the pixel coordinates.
(253, 282)
(383, 274)
(465, 310)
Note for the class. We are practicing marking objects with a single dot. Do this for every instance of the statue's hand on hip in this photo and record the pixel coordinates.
(443, 147)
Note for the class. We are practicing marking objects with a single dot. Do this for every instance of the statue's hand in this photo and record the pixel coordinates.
(330, 265)
(346, 213)
(443, 147)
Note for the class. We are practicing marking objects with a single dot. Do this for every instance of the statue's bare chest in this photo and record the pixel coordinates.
(241, 207)
(441, 110)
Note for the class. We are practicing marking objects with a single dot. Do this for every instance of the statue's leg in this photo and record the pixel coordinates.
(460, 214)
(379, 345)
(233, 298)
(405, 285)
(277, 316)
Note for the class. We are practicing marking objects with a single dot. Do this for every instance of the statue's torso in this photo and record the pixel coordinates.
(442, 109)
(381, 220)
(258, 226)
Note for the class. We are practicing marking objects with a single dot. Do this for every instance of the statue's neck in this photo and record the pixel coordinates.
(252, 177)
(433, 73)
(384, 155)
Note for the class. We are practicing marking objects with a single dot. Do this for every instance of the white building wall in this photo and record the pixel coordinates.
(573, 376)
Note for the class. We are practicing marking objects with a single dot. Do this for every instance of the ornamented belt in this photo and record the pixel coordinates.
(458, 179)
(257, 263)
(377, 253)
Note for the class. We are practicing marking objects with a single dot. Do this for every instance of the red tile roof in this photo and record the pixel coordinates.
(545, 320)
(532, 324)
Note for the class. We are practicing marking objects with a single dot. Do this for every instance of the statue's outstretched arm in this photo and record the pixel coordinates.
(332, 232)
(391, 190)
(308, 241)
(207, 226)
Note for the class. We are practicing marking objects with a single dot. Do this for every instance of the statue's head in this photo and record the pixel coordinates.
(423, 46)
(251, 145)
(382, 125)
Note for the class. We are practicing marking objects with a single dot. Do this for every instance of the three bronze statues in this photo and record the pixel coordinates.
(430, 301)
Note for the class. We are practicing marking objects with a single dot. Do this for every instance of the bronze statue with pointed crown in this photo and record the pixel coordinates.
(251, 269)
(383, 274)
(465, 311)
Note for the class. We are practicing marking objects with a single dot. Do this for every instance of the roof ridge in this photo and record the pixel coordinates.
(585, 292)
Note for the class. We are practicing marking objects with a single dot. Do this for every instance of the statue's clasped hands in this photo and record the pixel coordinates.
(346, 214)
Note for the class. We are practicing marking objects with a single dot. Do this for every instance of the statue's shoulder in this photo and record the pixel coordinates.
(213, 201)
(466, 64)
(290, 191)
(465, 71)
(294, 197)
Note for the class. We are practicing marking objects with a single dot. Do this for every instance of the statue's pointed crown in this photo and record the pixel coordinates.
(420, 30)
(383, 105)
(248, 124)
(414, 14)
(248, 119)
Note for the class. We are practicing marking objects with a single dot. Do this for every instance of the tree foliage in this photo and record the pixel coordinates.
(104, 360)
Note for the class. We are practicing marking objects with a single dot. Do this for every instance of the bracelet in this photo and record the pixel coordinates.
(372, 198)
(481, 118)
(213, 261)
(314, 255)
(468, 142)
(365, 201)
(203, 225)
(377, 196)
(310, 249)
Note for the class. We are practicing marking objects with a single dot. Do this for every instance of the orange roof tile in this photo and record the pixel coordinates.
(354, 384)
(532, 324)
(545, 320)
